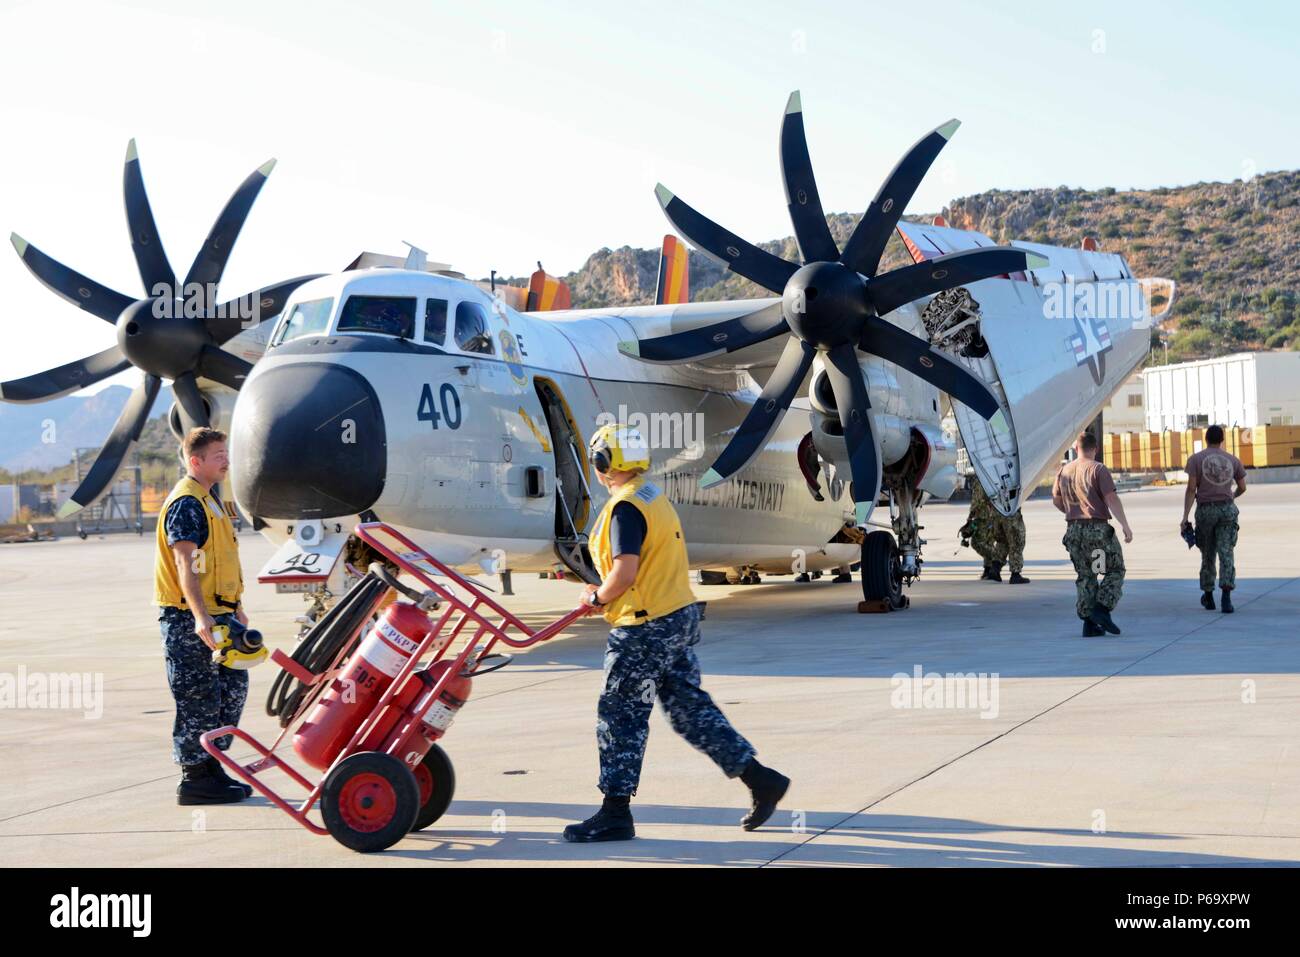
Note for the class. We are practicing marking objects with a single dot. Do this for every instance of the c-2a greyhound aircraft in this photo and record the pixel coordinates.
(781, 428)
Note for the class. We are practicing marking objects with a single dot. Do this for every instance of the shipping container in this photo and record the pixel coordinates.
(1246, 389)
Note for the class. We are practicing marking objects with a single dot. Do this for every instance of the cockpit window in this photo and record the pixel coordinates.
(435, 321)
(307, 319)
(472, 333)
(387, 315)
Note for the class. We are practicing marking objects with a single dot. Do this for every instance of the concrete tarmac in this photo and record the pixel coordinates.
(1172, 744)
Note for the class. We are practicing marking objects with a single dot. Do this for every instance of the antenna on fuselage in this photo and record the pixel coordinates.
(416, 259)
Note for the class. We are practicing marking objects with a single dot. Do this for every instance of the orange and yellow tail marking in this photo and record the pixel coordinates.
(674, 285)
(545, 292)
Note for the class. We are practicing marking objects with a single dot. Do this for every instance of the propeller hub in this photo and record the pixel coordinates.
(158, 337)
(825, 304)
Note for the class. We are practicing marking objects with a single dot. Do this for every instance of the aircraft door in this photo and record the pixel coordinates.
(572, 482)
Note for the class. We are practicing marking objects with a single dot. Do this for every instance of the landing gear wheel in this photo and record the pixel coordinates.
(882, 570)
(436, 781)
(369, 801)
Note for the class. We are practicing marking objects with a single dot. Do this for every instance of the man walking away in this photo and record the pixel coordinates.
(1211, 473)
(1085, 492)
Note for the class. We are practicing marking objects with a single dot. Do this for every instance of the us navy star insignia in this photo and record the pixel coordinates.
(1090, 344)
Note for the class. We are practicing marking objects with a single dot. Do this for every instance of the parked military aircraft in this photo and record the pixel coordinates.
(397, 389)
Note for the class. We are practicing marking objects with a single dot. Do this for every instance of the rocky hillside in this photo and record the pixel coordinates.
(1233, 248)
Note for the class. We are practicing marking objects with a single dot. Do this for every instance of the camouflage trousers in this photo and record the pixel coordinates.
(1094, 550)
(207, 695)
(1000, 540)
(1216, 537)
(657, 660)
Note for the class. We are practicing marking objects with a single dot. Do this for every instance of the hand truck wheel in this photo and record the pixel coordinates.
(369, 801)
(436, 780)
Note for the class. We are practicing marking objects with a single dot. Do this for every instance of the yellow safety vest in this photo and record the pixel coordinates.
(662, 584)
(220, 578)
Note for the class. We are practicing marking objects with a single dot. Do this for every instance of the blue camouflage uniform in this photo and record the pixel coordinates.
(207, 695)
(656, 660)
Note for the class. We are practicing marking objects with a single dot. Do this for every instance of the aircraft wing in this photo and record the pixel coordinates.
(651, 322)
(1060, 340)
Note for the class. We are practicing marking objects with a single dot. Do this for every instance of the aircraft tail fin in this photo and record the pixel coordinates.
(674, 286)
(546, 293)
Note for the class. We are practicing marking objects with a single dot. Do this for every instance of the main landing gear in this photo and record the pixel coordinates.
(882, 574)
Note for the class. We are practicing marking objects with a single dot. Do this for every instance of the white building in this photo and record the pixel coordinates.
(1125, 412)
(1245, 389)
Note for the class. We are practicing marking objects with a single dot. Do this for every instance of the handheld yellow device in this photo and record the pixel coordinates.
(238, 647)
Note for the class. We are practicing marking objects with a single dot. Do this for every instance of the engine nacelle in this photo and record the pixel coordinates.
(938, 473)
(218, 405)
(892, 431)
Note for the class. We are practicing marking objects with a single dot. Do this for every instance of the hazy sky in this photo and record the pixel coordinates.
(497, 134)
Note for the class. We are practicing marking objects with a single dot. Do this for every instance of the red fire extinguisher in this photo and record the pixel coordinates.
(352, 696)
(436, 720)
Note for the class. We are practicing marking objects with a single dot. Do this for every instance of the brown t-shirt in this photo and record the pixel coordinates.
(1083, 485)
(1216, 473)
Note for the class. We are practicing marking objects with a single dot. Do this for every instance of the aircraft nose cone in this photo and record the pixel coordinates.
(307, 441)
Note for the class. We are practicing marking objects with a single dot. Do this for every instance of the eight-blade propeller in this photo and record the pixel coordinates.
(832, 304)
(174, 332)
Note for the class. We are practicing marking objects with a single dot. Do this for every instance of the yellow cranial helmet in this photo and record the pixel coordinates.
(618, 448)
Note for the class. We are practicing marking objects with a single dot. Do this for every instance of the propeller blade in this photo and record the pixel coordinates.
(899, 286)
(741, 257)
(210, 263)
(96, 299)
(53, 383)
(765, 414)
(150, 258)
(882, 338)
(235, 316)
(194, 412)
(125, 433)
(711, 340)
(220, 366)
(867, 244)
(853, 401)
(810, 230)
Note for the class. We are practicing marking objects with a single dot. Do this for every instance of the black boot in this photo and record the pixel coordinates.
(1018, 579)
(1207, 600)
(199, 786)
(987, 574)
(997, 572)
(219, 772)
(1101, 618)
(1225, 602)
(613, 822)
(1090, 630)
(766, 788)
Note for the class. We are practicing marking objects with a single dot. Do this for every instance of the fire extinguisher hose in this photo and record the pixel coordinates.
(319, 647)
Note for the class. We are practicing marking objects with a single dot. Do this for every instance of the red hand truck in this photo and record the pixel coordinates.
(370, 799)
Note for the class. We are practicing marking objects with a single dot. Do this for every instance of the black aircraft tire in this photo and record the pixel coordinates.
(882, 569)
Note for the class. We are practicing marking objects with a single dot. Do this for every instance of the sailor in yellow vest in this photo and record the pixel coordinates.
(197, 585)
(645, 593)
